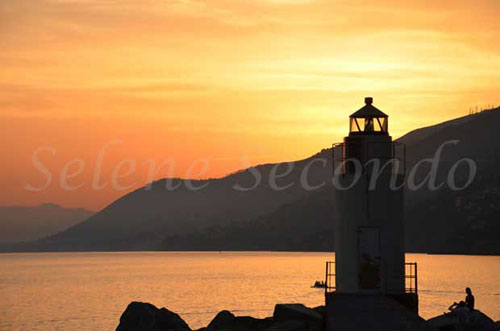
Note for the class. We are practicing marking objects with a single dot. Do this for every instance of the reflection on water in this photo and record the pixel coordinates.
(89, 291)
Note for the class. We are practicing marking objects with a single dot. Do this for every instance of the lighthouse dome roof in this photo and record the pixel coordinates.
(368, 110)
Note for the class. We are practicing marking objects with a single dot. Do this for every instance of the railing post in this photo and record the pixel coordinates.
(326, 279)
(416, 279)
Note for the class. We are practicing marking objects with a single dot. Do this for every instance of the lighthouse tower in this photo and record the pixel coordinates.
(368, 203)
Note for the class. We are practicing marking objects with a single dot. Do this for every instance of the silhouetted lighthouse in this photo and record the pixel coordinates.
(369, 232)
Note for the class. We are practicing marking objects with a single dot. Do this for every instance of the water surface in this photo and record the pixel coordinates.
(89, 291)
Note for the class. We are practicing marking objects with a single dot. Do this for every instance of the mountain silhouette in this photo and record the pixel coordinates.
(26, 223)
(436, 221)
(220, 217)
(141, 219)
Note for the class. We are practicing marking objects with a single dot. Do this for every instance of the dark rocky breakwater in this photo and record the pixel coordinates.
(141, 316)
(286, 317)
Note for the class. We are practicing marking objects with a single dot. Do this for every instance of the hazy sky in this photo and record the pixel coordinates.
(223, 83)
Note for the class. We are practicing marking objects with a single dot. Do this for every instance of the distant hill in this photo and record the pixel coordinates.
(218, 217)
(441, 221)
(141, 219)
(417, 135)
(19, 223)
(303, 225)
(466, 221)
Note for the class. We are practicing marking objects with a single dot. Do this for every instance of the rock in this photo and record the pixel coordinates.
(320, 309)
(293, 325)
(295, 311)
(287, 317)
(479, 321)
(472, 321)
(298, 312)
(226, 320)
(141, 316)
(222, 320)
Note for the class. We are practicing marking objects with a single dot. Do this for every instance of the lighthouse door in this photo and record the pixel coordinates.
(369, 258)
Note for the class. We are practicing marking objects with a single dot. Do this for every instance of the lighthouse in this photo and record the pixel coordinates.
(369, 267)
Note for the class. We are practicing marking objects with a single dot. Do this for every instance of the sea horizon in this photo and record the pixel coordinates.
(92, 289)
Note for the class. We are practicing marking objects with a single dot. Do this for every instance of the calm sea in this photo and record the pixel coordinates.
(89, 291)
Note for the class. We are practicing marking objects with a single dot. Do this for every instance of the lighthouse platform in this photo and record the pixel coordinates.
(373, 312)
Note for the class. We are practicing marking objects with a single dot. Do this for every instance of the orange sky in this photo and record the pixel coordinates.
(222, 82)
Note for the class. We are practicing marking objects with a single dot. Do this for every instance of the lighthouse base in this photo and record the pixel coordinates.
(347, 312)
(409, 300)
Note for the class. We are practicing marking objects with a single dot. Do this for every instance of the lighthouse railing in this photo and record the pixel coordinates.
(411, 277)
(330, 277)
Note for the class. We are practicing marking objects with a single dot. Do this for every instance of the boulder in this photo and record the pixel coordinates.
(293, 325)
(471, 321)
(222, 320)
(320, 310)
(226, 320)
(298, 312)
(141, 316)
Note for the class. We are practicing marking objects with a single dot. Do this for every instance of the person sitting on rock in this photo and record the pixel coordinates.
(468, 303)
(463, 308)
(469, 299)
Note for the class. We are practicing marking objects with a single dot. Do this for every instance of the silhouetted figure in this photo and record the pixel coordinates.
(463, 308)
(469, 299)
(468, 303)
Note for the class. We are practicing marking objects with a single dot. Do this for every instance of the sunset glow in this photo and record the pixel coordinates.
(224, 83)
